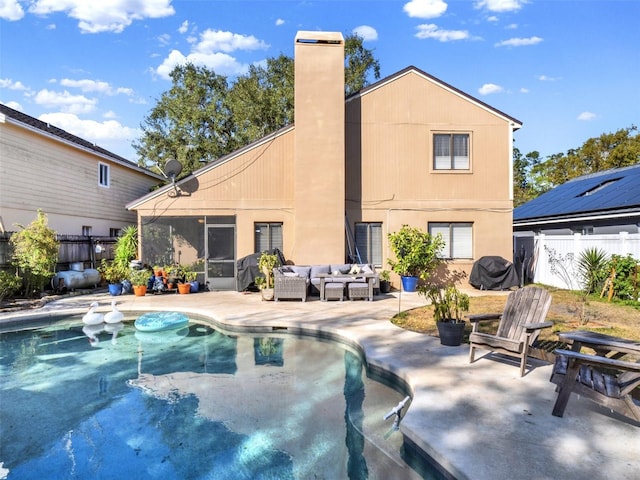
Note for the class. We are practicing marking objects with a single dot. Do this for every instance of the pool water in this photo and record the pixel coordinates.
(193, 403)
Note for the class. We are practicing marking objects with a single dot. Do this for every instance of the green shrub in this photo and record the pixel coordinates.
(9, 284)
(593, 267)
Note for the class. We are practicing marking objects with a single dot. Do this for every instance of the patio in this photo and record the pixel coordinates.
(480, 420)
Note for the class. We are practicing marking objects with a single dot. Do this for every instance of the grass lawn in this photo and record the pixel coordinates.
(568, 312)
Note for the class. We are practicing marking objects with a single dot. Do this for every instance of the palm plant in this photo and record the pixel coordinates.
(593, 267)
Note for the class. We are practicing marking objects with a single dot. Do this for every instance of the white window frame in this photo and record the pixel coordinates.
(272, 239)
(368, 238)
(458, 239)
(458, 142)
(104, 175)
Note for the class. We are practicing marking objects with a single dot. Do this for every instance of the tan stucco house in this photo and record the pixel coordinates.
(81, 187)
(409, 149)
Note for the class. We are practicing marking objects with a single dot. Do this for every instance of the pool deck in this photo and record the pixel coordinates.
(479, 421)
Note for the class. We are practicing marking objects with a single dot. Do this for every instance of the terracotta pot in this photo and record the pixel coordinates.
(139, 290)
(184, 288)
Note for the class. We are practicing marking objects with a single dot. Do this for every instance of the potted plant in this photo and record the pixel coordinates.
(113, 273)
(140, 281)
(416, 255)
(385, 283)
(448, 306)
(266, 263)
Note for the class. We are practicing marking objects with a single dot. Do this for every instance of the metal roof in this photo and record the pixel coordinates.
(608, 191)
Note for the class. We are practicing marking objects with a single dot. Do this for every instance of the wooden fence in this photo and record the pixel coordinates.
(73, 249)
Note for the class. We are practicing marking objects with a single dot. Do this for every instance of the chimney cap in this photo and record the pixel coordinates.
(331, 38)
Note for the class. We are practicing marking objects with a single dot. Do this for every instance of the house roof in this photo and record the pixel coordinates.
(411, 69)
(611, 192)
(44, 128)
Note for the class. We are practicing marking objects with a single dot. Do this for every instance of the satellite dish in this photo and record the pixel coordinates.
(173, 168)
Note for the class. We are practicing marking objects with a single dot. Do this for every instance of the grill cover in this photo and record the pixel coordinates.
(247, 269)
(493, 273)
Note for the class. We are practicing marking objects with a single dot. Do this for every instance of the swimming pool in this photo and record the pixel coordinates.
(191, 403)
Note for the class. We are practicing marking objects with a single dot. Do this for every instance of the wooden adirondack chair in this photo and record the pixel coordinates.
(606, 381)
(520, 324)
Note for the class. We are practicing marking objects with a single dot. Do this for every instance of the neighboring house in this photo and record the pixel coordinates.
(81, 187)
(600, 210)
(409, 149)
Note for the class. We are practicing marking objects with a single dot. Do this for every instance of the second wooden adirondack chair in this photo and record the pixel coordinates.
(519, 325)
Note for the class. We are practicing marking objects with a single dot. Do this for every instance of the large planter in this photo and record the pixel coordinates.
(184, 288)
(451, 333)
(139, 290)
(409, 284)
(115, 289)
(385, 286)
(267, 294)
(195, 286)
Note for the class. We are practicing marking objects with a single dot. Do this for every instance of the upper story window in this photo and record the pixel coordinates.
(451, 151)
(268, 236)
(103, 175)
(86, 230)
(369, 242)
(458, 239)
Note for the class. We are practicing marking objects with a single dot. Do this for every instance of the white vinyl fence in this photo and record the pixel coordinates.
(555, 257)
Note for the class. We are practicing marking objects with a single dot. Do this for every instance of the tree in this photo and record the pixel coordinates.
(191, 122)
(35, 253)
(204, 116)
(609, 150)
(533, 177)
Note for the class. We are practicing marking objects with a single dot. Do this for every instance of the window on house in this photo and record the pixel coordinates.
(458, 239)
(268, 236)
(103, 174)
(86, 230)
(369, 242)
(114, 232)
(451, 151)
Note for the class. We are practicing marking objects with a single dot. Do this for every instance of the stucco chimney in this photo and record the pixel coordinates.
(319, 148)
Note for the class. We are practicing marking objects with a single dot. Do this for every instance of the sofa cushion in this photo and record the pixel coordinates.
(342, 268)
(301, 271)
(366, 269)
(317, 269)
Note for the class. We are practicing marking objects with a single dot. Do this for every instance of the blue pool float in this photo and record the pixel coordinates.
(159, 321)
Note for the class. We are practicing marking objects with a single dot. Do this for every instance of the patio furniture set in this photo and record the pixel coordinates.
(329, 281)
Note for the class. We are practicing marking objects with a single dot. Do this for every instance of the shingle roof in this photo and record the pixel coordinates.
(608, 191)
(57, 132)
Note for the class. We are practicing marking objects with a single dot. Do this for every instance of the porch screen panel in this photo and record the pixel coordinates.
(369, 242)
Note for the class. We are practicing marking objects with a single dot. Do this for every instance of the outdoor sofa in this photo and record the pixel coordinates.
(299, 281)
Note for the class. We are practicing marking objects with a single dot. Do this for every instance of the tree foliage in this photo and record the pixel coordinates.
(204, 116)
(533, 177)
(35, 253)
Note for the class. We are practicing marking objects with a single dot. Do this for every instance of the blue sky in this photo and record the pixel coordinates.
(569, 70)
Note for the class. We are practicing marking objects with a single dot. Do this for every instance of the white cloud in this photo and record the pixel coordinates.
(519, 42)
(492, 18)
(433, 31)
(489, 88)
(76, 104)
(11, 85)
(184, 27)
(87, 85)
(14, 105)
(524, 90)
(279, 22)
(587, 116)
(545, 78)
(212, 51)
(512, 26)
(11, 10)
(425, 8)
(500, 5)
(366, 32)
(164, 39)
(105, 15)
(218, 40)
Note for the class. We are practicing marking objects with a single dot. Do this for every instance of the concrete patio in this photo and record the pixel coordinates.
(479, 421)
